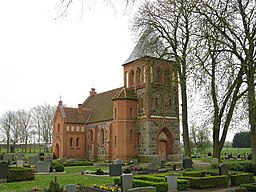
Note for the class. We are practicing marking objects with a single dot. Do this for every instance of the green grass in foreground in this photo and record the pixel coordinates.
(42, 181)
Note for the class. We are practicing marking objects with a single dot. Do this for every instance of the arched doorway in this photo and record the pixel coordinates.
(164, 144)
(57, 150)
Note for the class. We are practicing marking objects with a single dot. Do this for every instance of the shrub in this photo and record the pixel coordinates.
(59, 168)
(80, 163)
(182, 184)
(55, 186)
(20, 174)
(160, 186)
(132, 168)
(207, 182)
(200, 174)
(249, 187)
(99, 172)
(242, 178)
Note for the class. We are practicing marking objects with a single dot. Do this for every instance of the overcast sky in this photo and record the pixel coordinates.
(42, 58)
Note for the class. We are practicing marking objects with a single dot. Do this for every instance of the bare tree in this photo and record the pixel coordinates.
(24, 122)
(235, 21)
(172, 22)
(6, 125)
(43, 121)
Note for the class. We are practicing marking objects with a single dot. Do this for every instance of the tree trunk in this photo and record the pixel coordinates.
(252, 112)
(187, 149)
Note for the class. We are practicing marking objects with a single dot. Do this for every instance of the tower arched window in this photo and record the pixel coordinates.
(127, 79)
(144, 74)
(130, 113)
(131, 135)
(115, 113)
(131, 78)
(139, 138)
(158, 75)
(151, 76)
(77, 142)
(138, 76)
(71, 142)
(167, 75)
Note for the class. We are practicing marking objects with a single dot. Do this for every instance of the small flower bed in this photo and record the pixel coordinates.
(114, 188)
(132, 168)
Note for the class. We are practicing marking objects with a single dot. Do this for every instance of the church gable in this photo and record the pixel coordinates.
(101, 106)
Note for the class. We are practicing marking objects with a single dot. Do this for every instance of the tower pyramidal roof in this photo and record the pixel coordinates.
(149, 45)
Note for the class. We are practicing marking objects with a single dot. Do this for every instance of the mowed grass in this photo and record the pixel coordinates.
(43, 181)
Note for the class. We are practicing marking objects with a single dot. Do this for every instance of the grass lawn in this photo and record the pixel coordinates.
(43, 180)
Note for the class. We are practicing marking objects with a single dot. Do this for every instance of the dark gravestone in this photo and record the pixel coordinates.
(33, 159)
(3, 172)
(20, 156)
(187, 163)
(223, 169)
(115, 169)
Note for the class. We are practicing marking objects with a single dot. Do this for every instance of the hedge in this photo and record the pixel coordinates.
(207, 182)
(158, 182)
(160, 186)
(82, 163)
(249, 187)
(20, 174)
(242, 178)
(199, 174)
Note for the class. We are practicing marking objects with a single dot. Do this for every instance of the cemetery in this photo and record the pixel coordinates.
(42, 173)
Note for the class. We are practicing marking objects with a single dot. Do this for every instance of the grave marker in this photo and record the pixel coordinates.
(223, 169)
(3, 172)
(187, 163)
(43, 166)
(172, 183)
(115, 169)
(126, 182)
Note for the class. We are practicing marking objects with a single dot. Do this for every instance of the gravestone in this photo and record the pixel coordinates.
(43, 166)
(126, 182)
(172, 183)
(115, 169)
(214, 162)
(20, 156)
(3, 172)
(119, 162)
(223, 169)
(34, 159)
(143, 189)
(135, 161)
(19, 163)
(48, 157)
(187, 163)
(152, 167)
(71, 188)
(8, 157)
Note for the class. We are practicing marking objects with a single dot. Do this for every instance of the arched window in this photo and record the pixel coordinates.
(127, 79)
(167, 75)
(102, 136)
(138, 76)
(156, 102)
(91, 135)
(139, 138)
(158, 75)
(115, 113)
(131, 78)
(130, 113)
(144, 74)
(71, 142)
(151, 74)
(131, 135)
(58, 130)
(77, 142)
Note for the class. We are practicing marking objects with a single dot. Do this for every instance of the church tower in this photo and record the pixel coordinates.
(155, 83)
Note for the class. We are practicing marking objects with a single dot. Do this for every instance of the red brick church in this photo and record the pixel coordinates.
(140, 119)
